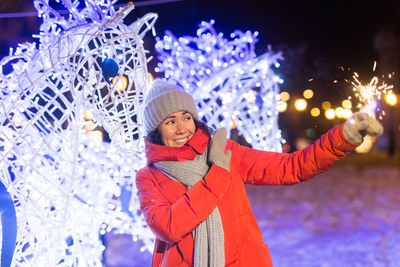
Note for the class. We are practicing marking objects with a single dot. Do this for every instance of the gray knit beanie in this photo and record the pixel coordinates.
(163, 99)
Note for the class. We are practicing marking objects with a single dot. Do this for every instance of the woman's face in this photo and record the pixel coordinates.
(177, 129)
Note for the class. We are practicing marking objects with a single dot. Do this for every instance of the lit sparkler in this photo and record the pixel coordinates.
(370, 92)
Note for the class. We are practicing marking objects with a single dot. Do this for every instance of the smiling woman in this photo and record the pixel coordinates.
(192, 192)
(177, 129)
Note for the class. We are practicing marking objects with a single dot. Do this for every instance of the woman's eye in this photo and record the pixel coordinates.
(188, 118)
(169, 122)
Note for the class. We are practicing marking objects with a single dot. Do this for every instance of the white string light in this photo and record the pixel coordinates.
(65, 186)
(228, 81)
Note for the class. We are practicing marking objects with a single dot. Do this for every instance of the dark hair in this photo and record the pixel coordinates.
(155, 137)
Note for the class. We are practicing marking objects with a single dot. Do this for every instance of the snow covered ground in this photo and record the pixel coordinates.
(343, 217)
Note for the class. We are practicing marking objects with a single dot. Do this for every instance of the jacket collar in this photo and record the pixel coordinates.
(196, 145)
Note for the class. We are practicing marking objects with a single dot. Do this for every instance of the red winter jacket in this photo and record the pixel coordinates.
(173, 212)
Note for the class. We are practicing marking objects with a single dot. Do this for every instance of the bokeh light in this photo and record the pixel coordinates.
(285, 96)
(315, 112)
(339, 112)
(330, 114)
(326, 105)
(346, 104)
(391, 99)
(300, 104)
(281, 106)
(308, 94)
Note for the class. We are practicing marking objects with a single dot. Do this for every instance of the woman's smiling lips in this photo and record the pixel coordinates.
(182, 140)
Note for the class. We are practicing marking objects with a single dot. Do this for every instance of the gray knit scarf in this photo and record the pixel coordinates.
(209, 234)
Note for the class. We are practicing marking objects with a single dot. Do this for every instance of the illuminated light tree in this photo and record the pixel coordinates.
(65, 186)
(229, 82)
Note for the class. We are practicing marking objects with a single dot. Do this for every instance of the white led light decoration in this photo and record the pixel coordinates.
(228, 81)
(65, 186)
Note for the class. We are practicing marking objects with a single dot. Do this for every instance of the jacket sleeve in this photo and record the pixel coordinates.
(274, 168)
(171, 221)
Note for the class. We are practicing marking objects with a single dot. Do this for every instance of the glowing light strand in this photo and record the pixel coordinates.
(229, 82)
(65, 186)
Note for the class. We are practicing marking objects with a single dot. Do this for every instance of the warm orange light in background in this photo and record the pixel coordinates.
(285, 96)
(121, 82)
(339, 112)
(391, 99)
(300, 104)
(87, 115)
(346, 103)
(347, 113)
(281, 106)
(326, 105)
(308, 94)
(233, 124)
(330, 114)
(315, 112)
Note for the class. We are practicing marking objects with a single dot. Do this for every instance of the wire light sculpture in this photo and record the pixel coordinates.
(232, 86)
(66, 186)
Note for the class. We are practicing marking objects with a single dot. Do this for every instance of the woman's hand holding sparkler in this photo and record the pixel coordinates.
(359, 125)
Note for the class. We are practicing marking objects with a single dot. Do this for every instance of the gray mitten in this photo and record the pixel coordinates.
(217, 154)
(359, 125)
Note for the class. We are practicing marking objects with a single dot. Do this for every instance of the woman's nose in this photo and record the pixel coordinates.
(180, 128)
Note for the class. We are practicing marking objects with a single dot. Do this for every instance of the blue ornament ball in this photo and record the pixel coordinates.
(109, 69)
